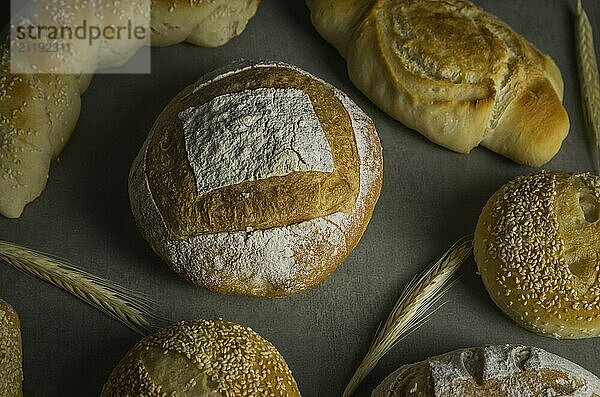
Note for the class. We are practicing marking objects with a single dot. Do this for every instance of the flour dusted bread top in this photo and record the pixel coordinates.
(453, 72)
(537, 246)
(491, 371)
(259, 179)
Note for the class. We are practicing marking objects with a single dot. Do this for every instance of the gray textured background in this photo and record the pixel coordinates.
(430, 197)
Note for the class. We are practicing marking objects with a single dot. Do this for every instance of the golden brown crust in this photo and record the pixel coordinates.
(537, 245)
(11, 354)
(202, 358)
(453, 72)
(276, 261)
(264, 204)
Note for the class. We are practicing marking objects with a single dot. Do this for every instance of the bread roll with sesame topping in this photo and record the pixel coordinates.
(537, 247)
(491, 371)
(38, 112)
(257, 180)
(11, 355)
(212, 358)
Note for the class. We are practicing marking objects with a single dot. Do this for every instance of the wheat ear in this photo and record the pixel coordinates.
(124, 305)
(413, 308)
(589, 81)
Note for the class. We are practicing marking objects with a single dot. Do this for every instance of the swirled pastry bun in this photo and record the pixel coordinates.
(502, 371)
(204, 358)
(257, 180)
(11, 354)
(537, 247)
(451, 71)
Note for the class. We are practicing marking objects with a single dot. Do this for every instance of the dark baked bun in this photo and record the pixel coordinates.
(208, 358)
(537, 245)
(492, 371)
(257, 180)
(11, 354)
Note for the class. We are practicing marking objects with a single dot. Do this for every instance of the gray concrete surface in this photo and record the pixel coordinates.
(430, 197)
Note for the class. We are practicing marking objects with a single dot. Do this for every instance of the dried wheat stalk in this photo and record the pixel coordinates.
(124, 305)
(589, 81)
(413, 308)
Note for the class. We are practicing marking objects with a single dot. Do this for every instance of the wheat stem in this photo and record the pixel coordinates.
(589, 81)
(413, 308)
(124, 305)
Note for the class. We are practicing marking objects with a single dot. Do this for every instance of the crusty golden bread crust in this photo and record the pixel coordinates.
(212, 358)
(270, 236)
(38, 112)
(537, 247)
(491, 371)
(11, 354)
(451, 71)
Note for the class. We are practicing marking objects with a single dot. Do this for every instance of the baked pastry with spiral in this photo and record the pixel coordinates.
(257, 180)
(537, 247)
(451, 71)
(212, 358)
(503, 371)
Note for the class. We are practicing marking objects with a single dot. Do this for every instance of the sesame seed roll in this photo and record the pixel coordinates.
(206, 358)
(537, 246)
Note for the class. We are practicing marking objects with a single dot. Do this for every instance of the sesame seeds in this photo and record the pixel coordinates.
(234, 359)
(11, 373)
(533, 256)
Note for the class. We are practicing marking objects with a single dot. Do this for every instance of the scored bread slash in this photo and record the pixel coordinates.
(589, 81)
(259, 180)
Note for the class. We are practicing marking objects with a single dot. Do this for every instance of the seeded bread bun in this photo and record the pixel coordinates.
(448, 69)
(212, 358)
(11, 355)
(38, 112)
(257, 180)
(537, 247)
(492, 371)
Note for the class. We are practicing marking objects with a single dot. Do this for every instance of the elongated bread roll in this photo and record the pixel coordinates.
(537, 247)
(491, 371)
(451, 71)
(11, 356)
(38, 112)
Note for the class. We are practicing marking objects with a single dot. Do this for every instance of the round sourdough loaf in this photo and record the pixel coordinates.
(537, 246)
(212, 358)
(11, 355)
(506, 371)
(257, 180)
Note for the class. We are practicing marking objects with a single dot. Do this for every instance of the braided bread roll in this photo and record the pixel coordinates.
(38, 112)
(11, 372)
(451, 71)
